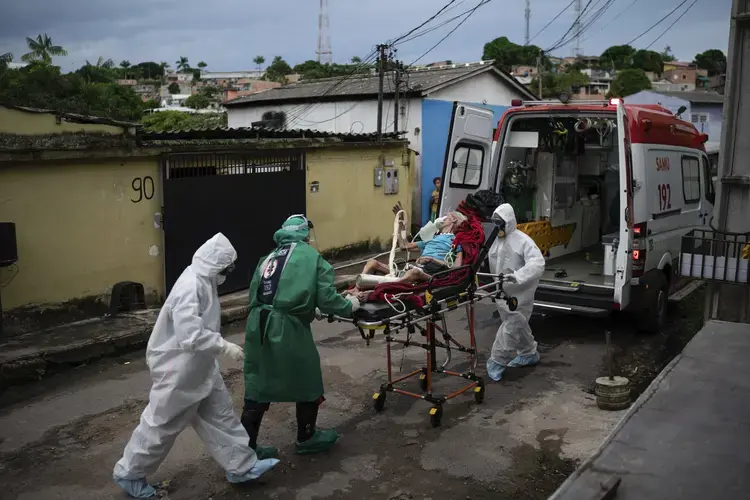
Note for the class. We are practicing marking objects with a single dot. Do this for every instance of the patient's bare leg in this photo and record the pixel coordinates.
(375, 267)
(413, 276)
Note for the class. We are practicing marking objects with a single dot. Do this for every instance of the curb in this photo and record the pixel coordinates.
(36, 366)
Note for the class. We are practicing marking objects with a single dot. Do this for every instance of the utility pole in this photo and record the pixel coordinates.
(577, 27)
(381, 77)
(528, 22)
(397, 98)
(539, 72)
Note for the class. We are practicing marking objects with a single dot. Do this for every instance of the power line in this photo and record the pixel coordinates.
(657, 23)
(437, 27)
(443, 9)
(552, 21)
(468, 16)
(587, 24)
(672, 25)
(613, 19)
(577, 19)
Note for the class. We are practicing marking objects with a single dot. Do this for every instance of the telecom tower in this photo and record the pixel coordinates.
(325, 55)
(577, 28)
(528, 21)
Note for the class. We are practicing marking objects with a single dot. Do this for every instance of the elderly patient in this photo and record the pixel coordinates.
(437, 254)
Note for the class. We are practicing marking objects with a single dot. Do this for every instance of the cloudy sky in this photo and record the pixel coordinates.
(228, 34)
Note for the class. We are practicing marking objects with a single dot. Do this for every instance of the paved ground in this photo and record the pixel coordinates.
(60, 438)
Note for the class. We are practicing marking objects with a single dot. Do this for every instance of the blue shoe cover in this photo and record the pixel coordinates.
(495, 370)
(260, 468)
(136, 488)
(524, 361)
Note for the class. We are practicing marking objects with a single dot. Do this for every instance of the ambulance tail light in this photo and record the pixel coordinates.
(640, 231)
(516, 103)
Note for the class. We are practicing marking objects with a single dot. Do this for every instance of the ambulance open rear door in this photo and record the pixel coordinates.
(624, 256)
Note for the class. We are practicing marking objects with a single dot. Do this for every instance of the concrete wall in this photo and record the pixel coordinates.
(348, 209)
(17, 122)
(78, 229)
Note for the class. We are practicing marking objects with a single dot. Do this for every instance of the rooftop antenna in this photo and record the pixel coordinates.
(325, 54)
(528, 21)
(577, 27)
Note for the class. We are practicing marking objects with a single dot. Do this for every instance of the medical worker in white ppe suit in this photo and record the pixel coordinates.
(515, 255)
(188, 389)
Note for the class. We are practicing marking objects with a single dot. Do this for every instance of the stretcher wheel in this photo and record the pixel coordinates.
(423, 382)
(479, 392)
(512, 303)
(436, 416)
(378, 401)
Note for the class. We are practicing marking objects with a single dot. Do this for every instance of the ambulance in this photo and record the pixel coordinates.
(605, 189)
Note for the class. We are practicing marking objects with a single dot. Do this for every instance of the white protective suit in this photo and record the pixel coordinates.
(188, 389)
(517, 256)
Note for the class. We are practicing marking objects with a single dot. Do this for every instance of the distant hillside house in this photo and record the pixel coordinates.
(349, 105)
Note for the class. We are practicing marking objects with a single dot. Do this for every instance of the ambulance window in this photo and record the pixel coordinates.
(466, 170)
(708, 181)
(691, 180)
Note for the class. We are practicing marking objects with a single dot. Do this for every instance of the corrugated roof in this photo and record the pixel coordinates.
(695, 96)
(74, 117)
(419, 82)
(224, 133)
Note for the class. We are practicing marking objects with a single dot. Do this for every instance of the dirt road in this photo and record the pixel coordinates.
(61, 437)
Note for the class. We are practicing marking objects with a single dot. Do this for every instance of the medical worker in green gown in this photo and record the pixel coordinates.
(290, 287)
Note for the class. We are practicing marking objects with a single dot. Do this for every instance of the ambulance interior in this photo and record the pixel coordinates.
(560, 173)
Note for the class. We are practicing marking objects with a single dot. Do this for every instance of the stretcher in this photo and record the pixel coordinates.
(396, 317)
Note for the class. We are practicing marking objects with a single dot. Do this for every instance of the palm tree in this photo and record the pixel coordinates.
(125, 64)
(42, 49)
(202, 65)
(259, 60)
(183, 65)
(102, 63)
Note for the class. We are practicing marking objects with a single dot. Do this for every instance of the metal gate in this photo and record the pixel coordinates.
(244, 195)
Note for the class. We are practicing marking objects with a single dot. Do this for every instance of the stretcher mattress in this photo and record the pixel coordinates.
(373, 312)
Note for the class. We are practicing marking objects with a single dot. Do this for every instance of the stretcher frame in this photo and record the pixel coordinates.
(432, 313)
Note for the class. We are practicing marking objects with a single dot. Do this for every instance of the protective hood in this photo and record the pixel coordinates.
(293, 230)
(213, 256)
(505, 211)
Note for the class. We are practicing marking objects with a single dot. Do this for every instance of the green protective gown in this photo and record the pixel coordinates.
(282, 363)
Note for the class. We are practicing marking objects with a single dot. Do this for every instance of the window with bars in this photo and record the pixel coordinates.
(212, 164)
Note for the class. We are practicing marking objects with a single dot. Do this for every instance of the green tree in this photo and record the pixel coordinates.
(197, 101)
(210, 91)
(202, 65)
(666, 54)
(164, 121)
(183, 66)
(278, 70)
(356, 60)
(149, 70)
(259, 61)
(41, 85)
(173, 88)
(102, 72)
(42, 50)
(5, 59)
(648, 60)
(151, 104)
(628, 82)
(712, 60)
(507, 54)
(617, 57)
(554, 84)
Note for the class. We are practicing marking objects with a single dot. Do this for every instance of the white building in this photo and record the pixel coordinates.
(349, 105)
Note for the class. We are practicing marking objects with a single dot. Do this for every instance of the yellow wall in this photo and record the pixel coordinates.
(13, 121)
(78, 230)
(348, 209)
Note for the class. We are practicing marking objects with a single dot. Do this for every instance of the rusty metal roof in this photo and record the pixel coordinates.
(417, 82)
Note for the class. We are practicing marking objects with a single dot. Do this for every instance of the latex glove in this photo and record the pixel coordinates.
(355, 302)
(233, 351)
(318, 314)
(509, 278)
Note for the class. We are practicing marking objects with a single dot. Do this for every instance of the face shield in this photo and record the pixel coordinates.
(306, 224)
(500, 224)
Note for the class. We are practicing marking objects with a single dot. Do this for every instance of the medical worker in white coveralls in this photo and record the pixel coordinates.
(514, 255)
(187, 387)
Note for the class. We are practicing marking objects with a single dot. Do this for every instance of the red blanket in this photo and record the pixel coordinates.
(470, 237)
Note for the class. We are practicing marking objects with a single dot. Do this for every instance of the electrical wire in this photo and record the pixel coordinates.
(657, 23)
(575, 22)
(672, 25)
(586, 24)
(552, 21)
(468, 16)
(446, 6)
(608, 23)
(436, 27)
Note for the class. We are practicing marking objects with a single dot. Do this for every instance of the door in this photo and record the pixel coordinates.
(245, 195)
(467, 155)
(624, 257)
(709, 199)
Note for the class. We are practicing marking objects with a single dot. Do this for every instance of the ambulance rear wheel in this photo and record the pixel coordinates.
(653, 318)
